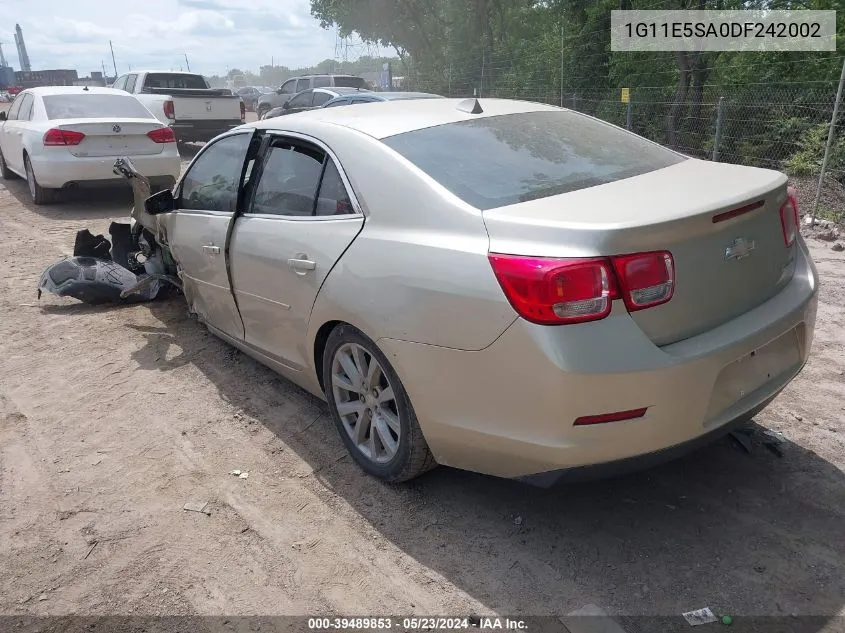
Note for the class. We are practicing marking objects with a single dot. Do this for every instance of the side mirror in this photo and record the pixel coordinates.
(161, 202)
(3, 116)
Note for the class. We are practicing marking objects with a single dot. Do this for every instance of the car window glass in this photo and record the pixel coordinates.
(92, 105)
(130, 83)
(120, 83)
(333, 198)
(350, 82)
(211, 183)
(337, 102)
(175, 80)
(289, 87)
(502, 160)
(320, 98)
(303, 84)
(288, 182)
(26, 108)
(302, 100)
(16, 107)
(361, 101)
(322, 82)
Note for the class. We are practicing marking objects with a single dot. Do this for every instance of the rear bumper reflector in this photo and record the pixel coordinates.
(618, 416)
(727, 215)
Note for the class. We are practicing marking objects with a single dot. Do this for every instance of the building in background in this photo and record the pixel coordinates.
(96, 79)
(22, 54)
(35, 78)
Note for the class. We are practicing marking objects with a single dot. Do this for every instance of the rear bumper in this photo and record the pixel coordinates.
(202, 131)
(62, 169)
(509, 410)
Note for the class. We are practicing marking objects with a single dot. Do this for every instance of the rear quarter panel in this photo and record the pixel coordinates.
(418, 271)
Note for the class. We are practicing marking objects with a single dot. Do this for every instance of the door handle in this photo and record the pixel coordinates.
(211, 249)
(300, 264)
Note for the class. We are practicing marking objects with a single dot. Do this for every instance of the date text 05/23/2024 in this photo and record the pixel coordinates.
(417, 624)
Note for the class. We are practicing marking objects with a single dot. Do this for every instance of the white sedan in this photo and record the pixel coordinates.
(63, 136)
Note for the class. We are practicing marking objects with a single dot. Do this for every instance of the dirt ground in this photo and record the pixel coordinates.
(112, 419)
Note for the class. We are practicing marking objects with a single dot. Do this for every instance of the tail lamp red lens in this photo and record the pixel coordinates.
(553, 291)
(169, 109)
(162, 135)
(789, 218)
(56, 136)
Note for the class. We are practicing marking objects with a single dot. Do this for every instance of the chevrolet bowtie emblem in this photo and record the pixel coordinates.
(740, 248)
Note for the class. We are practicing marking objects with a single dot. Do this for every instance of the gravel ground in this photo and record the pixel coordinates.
(112, 419)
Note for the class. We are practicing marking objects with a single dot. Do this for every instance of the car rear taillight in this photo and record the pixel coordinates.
(561, 291)
(162, 135)
(556, 291)
(243, 111)
(169, 110)
(645, 279)
(789, 217)
(56, 136)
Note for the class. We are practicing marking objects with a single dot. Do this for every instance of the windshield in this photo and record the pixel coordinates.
(94, 106)
(497, 161)
(175, 80)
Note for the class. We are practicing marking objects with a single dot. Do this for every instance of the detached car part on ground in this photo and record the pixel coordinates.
(406, 262)
(131, 267)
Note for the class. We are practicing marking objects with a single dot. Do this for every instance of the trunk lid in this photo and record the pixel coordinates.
(722, 269)
(192, 108)
(116, 137)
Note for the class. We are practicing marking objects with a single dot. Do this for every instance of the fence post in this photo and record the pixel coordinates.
(574, 101)
(561, 64)
(830, 134)
(717, 140)
(630, 116)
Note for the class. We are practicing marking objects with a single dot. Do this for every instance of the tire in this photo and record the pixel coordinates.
(5, 172)
(390, 445)
(39, 194)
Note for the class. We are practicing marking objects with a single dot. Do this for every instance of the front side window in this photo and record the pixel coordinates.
(289, 87)
(16, 107)
(302, 100)
(212, 182)
(502, 160)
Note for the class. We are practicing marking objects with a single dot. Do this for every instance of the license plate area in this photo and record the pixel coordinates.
(749, 373)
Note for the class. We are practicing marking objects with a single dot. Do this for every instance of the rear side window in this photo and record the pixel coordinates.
(496, 161)
(322, 82)
(130, 83)
(92, 106)
(333, 199)
(349, 82)
(289, 181)
(175, 80)
(320, 98)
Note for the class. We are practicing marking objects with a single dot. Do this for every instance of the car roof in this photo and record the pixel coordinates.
(388, 118)
(46, 91)
(322, 75)
(341, 90)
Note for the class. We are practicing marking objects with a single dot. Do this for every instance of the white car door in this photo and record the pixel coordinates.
(299, 220)
(12, 143)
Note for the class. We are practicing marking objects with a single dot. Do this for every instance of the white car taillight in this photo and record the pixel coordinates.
(789, 218)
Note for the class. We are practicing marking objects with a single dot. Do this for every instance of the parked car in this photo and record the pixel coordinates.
(68, 135)
(500, 286)
(310, 99)
(251, 94)
(299, 84)
(374, 97)
(185, 102)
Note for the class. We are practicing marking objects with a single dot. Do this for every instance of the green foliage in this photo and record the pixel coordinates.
(808, 159)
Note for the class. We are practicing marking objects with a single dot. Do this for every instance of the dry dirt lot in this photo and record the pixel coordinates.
(112, 418)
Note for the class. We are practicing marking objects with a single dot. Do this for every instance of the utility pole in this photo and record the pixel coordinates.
(830, 134)
(105, 75)
(187, 63)
(114, 63)
(561, 62)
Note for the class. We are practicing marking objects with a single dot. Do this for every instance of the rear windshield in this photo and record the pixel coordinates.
(496, 161)
(94, 106)
(349, 82)
(167, 80)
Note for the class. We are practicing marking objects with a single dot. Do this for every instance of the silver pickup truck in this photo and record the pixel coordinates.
(185, 102)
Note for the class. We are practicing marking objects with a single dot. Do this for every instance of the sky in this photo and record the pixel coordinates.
(216, 34)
